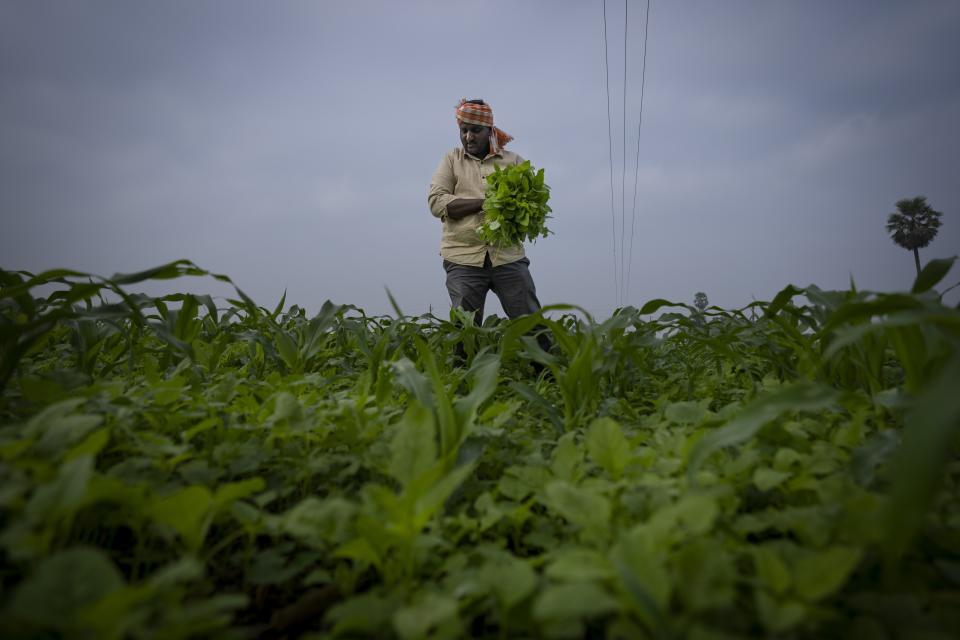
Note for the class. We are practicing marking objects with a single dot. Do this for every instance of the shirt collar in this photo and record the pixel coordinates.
(489, 155)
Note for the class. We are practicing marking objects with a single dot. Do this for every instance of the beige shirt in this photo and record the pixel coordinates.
(461, 175)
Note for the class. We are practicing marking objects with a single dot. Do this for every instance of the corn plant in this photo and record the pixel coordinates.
(181, 467)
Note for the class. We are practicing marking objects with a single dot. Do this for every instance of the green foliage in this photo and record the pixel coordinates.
(515, 206)
(174, 468)
(914, 224)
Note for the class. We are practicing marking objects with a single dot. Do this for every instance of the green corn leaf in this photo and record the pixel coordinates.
(932, 273)
(413, 449)
(653, 306)
(433, 498)
(276, 311)
(167, 271)
(417, 384)
(530, 394)
(931, 425)
(483, 376)
(782, 299)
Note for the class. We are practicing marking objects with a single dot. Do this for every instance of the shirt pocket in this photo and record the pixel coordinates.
(463, 231)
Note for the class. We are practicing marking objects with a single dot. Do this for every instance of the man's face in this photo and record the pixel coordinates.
(475, 139)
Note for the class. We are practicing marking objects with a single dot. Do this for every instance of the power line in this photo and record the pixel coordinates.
(613, 215)
(636, 174)
(622, 264)
(623, 169)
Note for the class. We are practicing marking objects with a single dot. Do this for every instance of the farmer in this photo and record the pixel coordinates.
(456, 197)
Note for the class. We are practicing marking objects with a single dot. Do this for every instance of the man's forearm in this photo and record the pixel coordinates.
(463, 207)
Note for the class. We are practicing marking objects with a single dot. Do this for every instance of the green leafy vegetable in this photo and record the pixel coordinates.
(515, 206)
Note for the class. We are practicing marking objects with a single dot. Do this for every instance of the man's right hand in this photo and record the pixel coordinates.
(463, 207)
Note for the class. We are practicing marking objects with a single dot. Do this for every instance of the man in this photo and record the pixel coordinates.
(456, 197)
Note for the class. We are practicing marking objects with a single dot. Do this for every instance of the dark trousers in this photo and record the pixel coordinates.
(511, 282)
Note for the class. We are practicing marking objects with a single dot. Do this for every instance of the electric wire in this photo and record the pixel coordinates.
(636, 174)
(613, 215)
(623, 166)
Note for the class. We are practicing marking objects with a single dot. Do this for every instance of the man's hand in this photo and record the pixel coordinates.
(463, 207)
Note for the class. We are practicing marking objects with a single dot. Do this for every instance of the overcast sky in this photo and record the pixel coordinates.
(290, 144)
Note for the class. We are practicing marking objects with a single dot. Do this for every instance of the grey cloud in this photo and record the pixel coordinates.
(290, 144)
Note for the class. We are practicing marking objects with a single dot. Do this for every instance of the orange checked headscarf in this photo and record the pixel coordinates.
(482, 115)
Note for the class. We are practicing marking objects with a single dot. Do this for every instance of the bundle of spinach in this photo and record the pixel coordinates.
(515, 206)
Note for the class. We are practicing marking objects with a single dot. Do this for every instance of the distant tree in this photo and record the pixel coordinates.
(700, 301)
(913, 225)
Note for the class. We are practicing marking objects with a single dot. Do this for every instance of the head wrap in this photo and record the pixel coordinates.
(482, 115)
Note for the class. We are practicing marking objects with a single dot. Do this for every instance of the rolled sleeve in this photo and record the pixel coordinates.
(441, 188)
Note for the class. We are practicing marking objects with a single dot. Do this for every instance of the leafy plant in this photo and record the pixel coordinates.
(515, 206)
(182, 467)
(913, 225)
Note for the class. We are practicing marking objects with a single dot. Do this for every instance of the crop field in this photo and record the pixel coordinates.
(184, 467)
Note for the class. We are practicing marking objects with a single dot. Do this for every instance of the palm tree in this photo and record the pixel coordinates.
(700, 301)
(914, 225)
